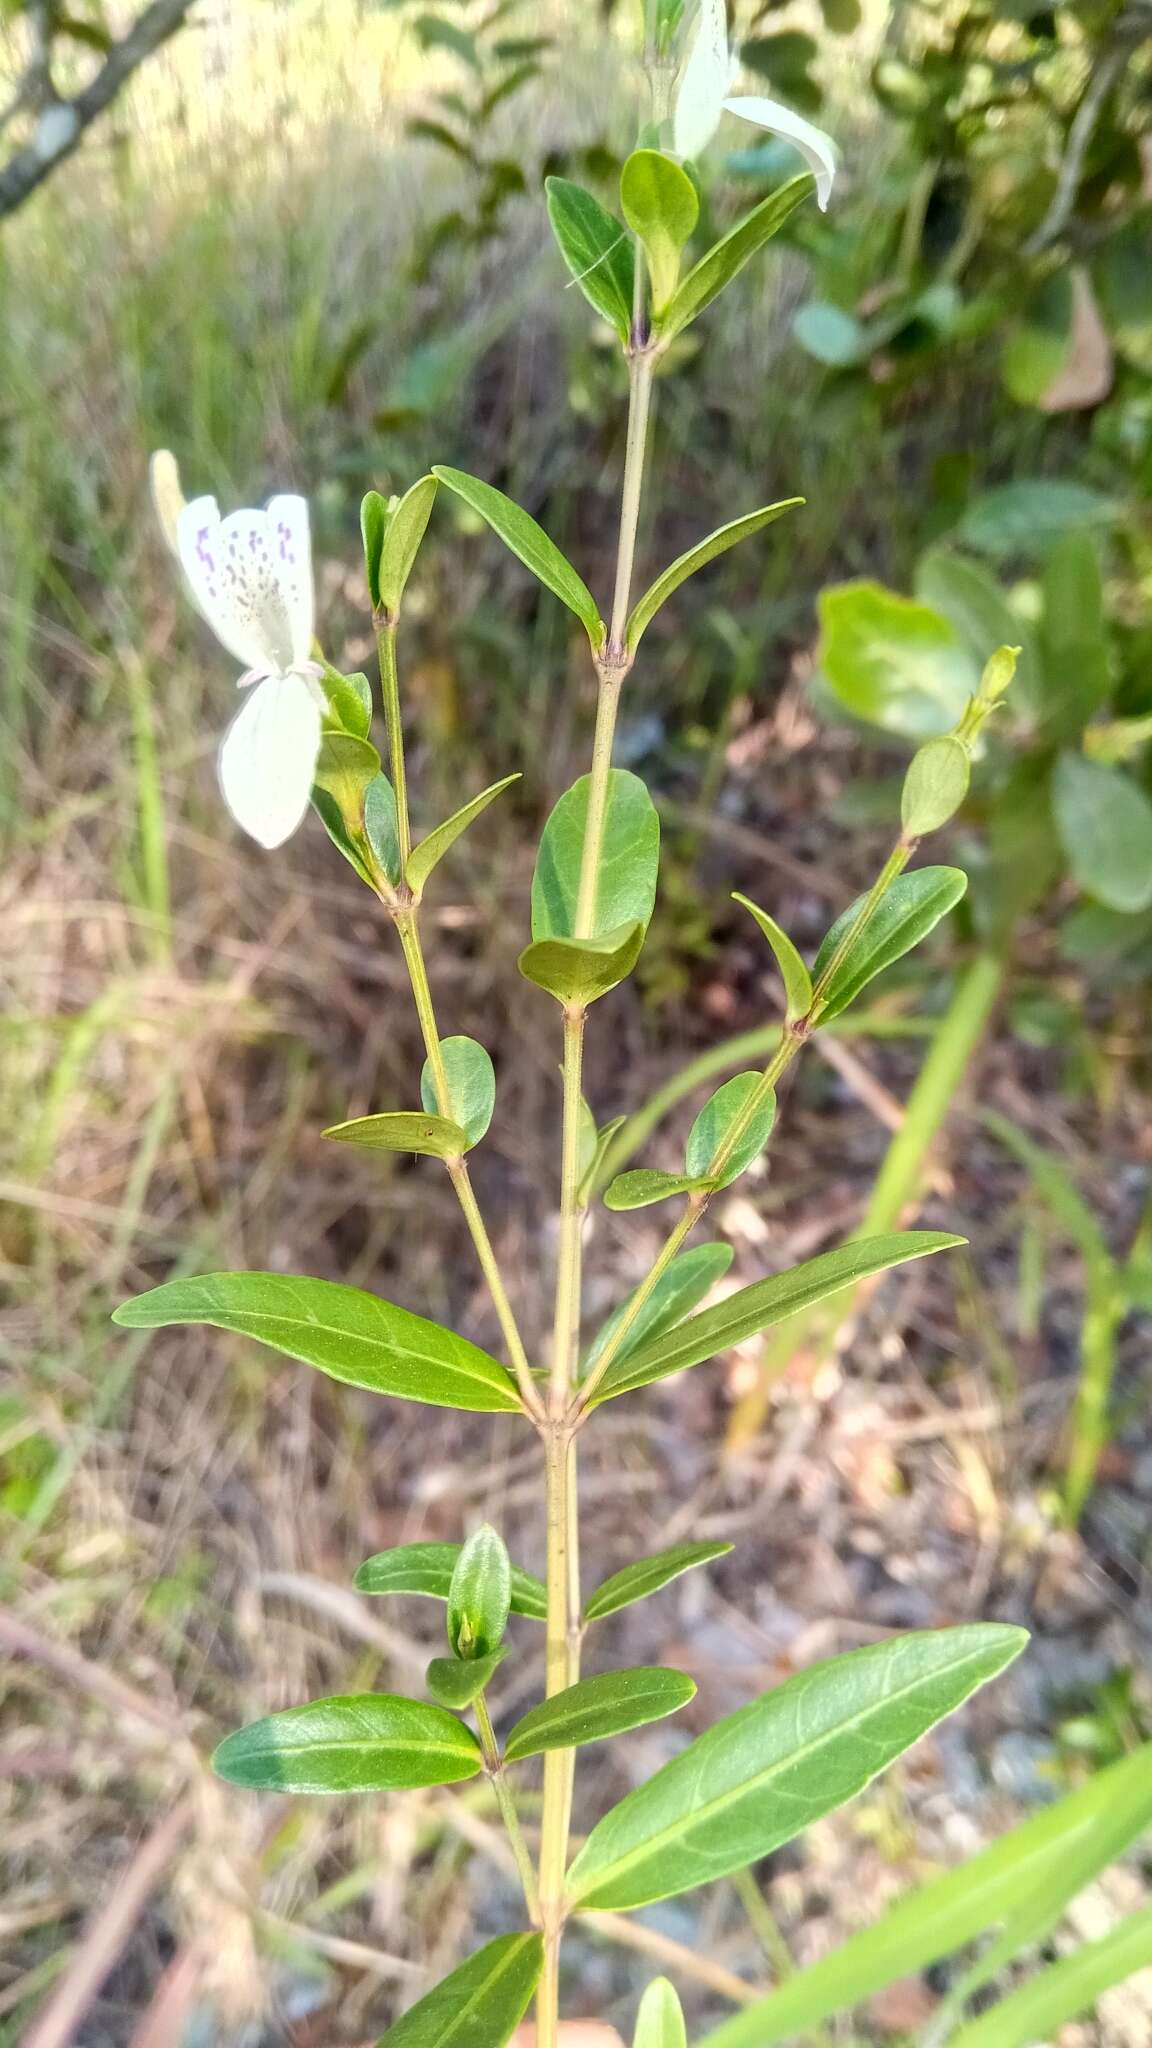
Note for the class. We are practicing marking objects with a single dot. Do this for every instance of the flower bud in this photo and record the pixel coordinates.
(935, 786)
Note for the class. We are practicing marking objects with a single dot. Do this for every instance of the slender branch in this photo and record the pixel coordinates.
(494, 1766)
(63, 122)
(390, 693)
(408, 929)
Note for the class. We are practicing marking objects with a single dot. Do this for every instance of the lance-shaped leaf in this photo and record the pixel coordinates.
(678, 1291)
(471, 1081)
(350, 1335)
(366, 1742)
(427, 1568)
(794, 974)
(457, 1681)
(1021, 1884)
(646, 1184)
(346, 769)
(910, 909)
(765, 1303)
(1104, 820)
(581, 970)
(400, 544)
(403, 1130)
(480, 1595)
(678, 572)
(660, 2020)
(713, 1135)
(596, 249)
(380, 826)
(659, 203)
(424, 857)
(595, 1708)
(480, 2005)
(648, 1575)
(1063, 1990)
(528, 540)
(625, 890)
(762, 1775)
(328, 812)
(727, 258)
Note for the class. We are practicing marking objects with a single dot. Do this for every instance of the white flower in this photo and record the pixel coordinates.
(704, 93)
(250, 577)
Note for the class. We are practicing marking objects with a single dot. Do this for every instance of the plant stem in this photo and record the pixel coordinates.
(390, 693)
(494, 1765)
(409, 933)
(563, 1569)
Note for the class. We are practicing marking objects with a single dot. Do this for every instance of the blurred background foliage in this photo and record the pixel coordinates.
(305, 247)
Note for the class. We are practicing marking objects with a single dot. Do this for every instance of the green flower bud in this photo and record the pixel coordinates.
(935, 786)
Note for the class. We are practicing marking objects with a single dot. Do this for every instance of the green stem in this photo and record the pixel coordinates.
(390, 692)
(494, 1766)
(957, 1037)
(408, 929)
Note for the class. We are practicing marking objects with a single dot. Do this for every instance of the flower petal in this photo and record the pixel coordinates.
(231, 568)
(268, 758)
(167, 496)
(292, 555)
(814, 146)
(705, 79)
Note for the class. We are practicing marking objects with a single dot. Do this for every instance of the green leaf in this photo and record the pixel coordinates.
(380, 826)
(596, 250)
(765, 1303)
(581, 970)
(434, 33)
(629, 860)
(935, 785)
(794, 974)
(660, 2020)
(659, 203)
(471, 1086)
(727, 258)
(678, 572)
(910, 909)
(1104, 821)
(403, 1130)
(427, 1568)
(367, 1742)
(480, 2005)
(328, 812)
(349, 702)
(457, 1681)
(572, 968)
(686, 1281)
(1028, 517)
(1040, 342)
(424, 857)
(1126, 291)
(1063, 1990)
(831, 336)
(647, 1575)
(374, 517)
(595, 1145)
(893, 662)
(713, 1128)
(520, 532)
(1021, 1883)
(1077, 669)
(351, 1336)
(595, 1708)
(480, 1595)
(762, 1775)
(407, 524)
(646, 1184)
(346, 768)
